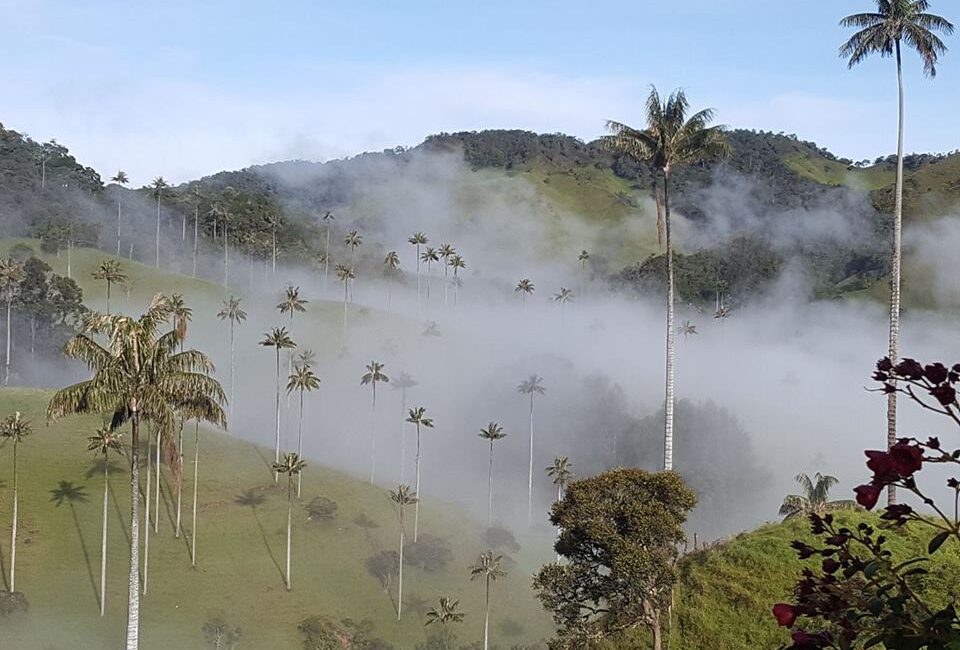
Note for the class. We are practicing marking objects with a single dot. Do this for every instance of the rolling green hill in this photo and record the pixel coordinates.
(240, 550)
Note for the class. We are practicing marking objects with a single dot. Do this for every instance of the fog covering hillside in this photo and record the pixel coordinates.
(762, 237)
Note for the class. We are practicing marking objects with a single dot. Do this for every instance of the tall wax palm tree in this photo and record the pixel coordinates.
(445, 252)
(102, 443)
(687, 328)
(328, 219)
(345, 274)
(232, 312)
(418, 416)
(487, 567)
(403, 382)
(561, 473)
(525, 288)
(670, 139)
(563, 296)
(457, 264)
(182, 315)
(447, 611)
(492, 433)
(353, 240)
(429, 255)
(291, 466)
(292, 304)
(373, 375)
(12, 275)
(302, 380)
(815, 497)
(14, 429)
(196, 227)
(138, 376)
(110, 272)
(158, 186)
(402, 497)
(307, 358)
(531, 386)
(196, 412)
(418, 239)
(884, 32)
(392, 263)
(121, 179)
(279, 339)
(583, 258)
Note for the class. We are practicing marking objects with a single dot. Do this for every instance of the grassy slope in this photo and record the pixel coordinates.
(831, 172)
(239, 551)
(726, 593)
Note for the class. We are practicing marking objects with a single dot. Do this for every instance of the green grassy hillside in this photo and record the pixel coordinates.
(240, 548)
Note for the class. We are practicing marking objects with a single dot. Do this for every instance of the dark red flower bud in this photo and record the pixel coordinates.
(889, 388)
(956, 368)
(785, 614)
(898, 513)
(830, 566)
(867, 495)
(945, 394)
(906, 458)
(880, 463)
(936, 373)
(953, 483)
(885, 365)
(933, 442)
(910, 369)
(804, 551)
(805, 641)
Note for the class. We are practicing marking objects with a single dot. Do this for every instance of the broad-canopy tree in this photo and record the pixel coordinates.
(670, 139)
(896, 23)
(139, 376)
(619, 532)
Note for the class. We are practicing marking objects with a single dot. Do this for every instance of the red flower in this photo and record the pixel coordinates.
(910, 369)
(806, 641)
(880, 463)
(905, 459)
(830, 565)
(785, 614)
(867, 495)
(945, 394)
(935, 373)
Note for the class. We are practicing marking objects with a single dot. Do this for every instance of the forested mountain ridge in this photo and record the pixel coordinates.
(750, 215)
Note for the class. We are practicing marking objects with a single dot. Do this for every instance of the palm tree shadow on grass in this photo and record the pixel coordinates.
(252, 499)
(68, 493)
(268, 463)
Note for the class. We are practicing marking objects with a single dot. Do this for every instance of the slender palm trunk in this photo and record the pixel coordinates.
(70, 258)
(276, 455)
(156, 496)
(416, 506)
(373, 436)
(13, 532)
(146, 528)
(389, 293)
(183, 227)
(559, 499)
(108, 297)
(418, 281)
(429, 278)
(196, 473)
(6, 359)
(179, 481)
(669, 401)
(343, 333)
(894, 351)
(490, 488)
(326, 262)
(232, 368)
(103, 535)
(400, 571)
(118, 226)
(196, 236)
(133, 582)
(289, 525)
(273, 241)
(486, 619)
(158, 230)
(530, 473)
(226, 256)
(403, 437)
(300, 441)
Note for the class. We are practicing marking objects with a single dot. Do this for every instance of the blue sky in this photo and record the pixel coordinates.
(188, 88)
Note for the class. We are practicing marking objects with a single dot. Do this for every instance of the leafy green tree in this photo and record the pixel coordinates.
(814, 498)
(279, 339)
(402, 497)
(619, 532)
(492, 433)
(883, 32)
(302, 380)
(14, 429)
(232, 312)
(531, 386)
(110, 272)
(487, 567)
(102, 443)
(120, 179)
(373, 375)
(525, 288)
(669, 140)
(291, 466)
(139, 376)
(418, 416)
(12, 276)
